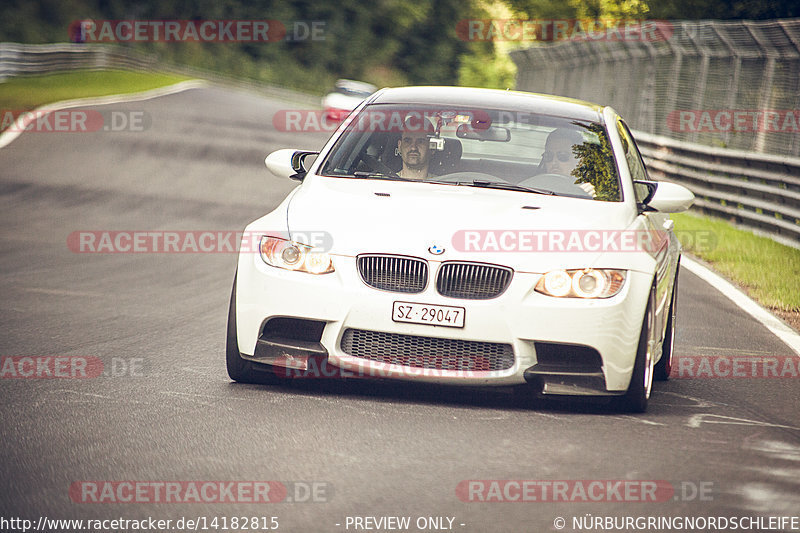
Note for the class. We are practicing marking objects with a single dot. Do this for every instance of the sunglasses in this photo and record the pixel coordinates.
(562, 156)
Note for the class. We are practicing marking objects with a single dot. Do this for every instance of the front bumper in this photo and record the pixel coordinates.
(530, 322)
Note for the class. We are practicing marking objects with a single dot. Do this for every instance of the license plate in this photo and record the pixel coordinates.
(433, 315)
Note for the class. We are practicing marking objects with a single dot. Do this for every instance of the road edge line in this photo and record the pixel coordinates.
(786, 334)
(18, 128)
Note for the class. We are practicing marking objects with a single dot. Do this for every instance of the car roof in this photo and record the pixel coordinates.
(491, 99)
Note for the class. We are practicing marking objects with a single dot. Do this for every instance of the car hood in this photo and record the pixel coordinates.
(469, 223)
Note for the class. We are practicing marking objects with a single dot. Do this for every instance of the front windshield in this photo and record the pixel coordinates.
(478, 147)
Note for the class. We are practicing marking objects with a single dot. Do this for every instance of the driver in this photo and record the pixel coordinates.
(414, 148)
(558, 157)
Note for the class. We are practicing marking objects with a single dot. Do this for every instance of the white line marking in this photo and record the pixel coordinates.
(97, 396)
(641, 420)
(26, 118)
(88, 394)
(189, 397)
(767, 319)
(61, 292)
(698, 401)
(696, 420)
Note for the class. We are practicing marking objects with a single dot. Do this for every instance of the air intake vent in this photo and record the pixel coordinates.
(427, 352)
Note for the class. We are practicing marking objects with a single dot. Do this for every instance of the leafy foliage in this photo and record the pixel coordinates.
(596, 165)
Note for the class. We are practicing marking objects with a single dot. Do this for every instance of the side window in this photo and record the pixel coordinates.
(634, 160)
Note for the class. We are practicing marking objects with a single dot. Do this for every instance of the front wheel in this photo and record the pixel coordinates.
(635, 400)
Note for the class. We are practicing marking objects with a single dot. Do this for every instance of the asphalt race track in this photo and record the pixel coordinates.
(168, 412)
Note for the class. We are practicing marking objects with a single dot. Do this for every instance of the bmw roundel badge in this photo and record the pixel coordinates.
(436, 250)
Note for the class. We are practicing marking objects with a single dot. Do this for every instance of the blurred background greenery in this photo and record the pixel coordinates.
(385, 42)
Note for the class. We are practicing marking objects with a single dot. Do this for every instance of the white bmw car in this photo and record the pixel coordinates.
(465, 236)
(345, 97)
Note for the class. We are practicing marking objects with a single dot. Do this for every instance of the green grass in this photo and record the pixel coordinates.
(29, 92)
(769, 271)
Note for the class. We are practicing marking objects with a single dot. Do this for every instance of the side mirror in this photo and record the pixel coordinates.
(663, 197)
(288, 163)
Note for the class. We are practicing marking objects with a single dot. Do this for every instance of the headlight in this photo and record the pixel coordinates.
(290, 255)
(585, 283)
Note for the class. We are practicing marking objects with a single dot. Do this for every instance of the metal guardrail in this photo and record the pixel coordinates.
(21, 59)
(759, 191)
(16, 59)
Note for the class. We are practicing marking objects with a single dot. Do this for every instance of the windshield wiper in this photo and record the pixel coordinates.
(378, 175)
(505, 186)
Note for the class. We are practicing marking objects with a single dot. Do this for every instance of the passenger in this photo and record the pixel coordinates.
(558, 156)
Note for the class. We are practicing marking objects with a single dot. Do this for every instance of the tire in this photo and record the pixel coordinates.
(663, 368)
(635, 400)
(239, 369)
